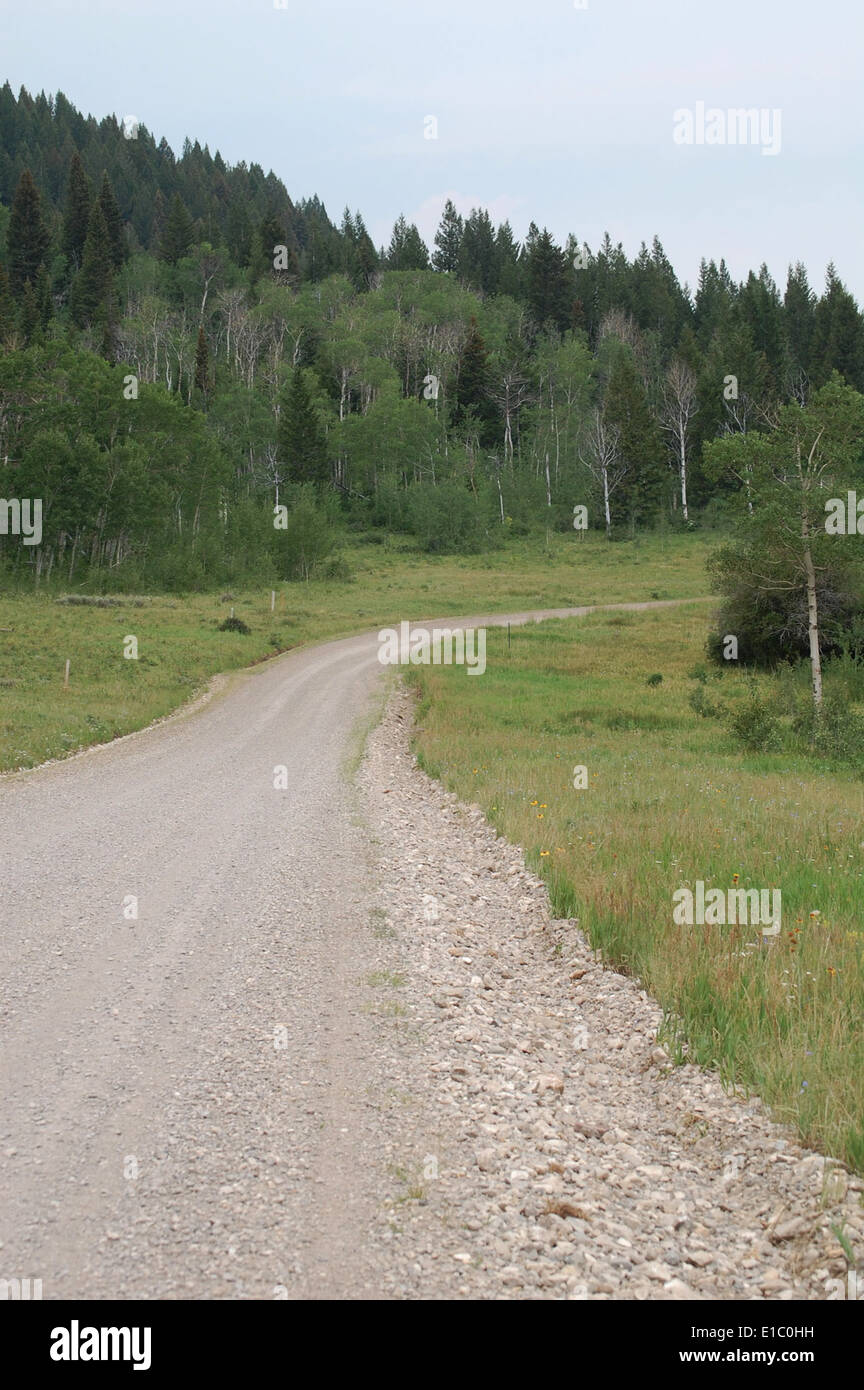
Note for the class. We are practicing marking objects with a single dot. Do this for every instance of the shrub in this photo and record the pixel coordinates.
(307, 538)
(755, 725)
(337, 567)
(446, 519)
(836, 733)
(701, 705)
(848, 668)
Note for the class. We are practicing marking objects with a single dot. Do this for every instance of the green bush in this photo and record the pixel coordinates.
(337, 567)
(847, 669)
(836, 733)
(701, 705)
(448, 519)
(308, 537)
(754, 724)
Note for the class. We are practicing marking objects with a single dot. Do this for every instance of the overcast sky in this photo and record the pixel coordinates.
(544, 110)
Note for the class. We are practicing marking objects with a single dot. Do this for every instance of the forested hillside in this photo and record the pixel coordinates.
(185, 348)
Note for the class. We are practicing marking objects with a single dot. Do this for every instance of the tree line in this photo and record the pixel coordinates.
(184, 348)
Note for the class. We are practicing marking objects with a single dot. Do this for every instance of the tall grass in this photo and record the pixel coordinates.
(671, 799)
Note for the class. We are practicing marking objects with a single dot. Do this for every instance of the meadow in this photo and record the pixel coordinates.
(671, 799)
(180, 646)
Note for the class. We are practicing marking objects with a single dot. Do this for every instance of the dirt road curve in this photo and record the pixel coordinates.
(192, 1097)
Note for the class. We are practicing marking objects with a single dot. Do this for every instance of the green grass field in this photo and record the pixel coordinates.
(180, 647)
(670, 800)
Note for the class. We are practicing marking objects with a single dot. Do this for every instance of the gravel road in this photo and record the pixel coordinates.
(236, 1062)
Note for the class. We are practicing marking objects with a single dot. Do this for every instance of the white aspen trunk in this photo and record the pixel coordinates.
(812, 621)
(683, 469)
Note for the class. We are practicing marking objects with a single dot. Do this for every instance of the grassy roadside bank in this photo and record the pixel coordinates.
(180, 647)
(670, 800)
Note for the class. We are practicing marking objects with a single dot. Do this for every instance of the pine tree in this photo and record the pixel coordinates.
(714, 300)
(27, 237)
(415, 254)
(300, 437)
(157, 223)
(113, 223)
(839, 335)
(798, 305)
(654, 297)
(407, 251)
(28, 313)
(290, 275)
(349, 240)
(178, 233)
(238, 233)
(548, 283)
(44, 299)
(271, 236)
(687, 349)
(397, 244)
(367, 257)
(7, 308)
(271, 243)
(478, 263)
(89, 301)
(448, 240)
(77, 214)
(626, 409)
(473, 394)
(510, 279)
(272, 233)
(202, 363)
(760, 307)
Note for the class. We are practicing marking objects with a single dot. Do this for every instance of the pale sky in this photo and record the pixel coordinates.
(544, 111)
